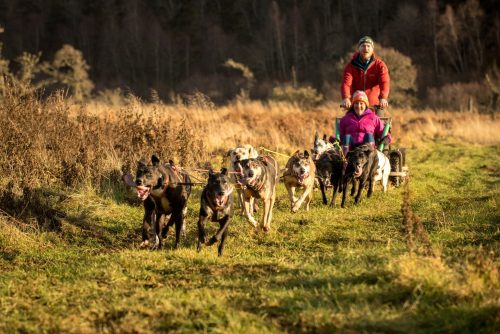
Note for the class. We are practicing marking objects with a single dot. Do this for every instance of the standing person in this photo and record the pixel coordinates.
(360, 125)
(368, 73)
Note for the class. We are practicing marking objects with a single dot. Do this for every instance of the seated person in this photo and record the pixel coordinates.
(361, 125)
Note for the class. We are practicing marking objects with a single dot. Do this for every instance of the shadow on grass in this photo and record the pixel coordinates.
(449, 318)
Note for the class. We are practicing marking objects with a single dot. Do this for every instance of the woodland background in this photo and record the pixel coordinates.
(445, 50)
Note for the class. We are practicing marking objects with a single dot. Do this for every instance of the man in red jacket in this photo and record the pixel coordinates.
(367, 73)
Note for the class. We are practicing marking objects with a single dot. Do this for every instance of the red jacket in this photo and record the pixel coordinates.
(374, 81)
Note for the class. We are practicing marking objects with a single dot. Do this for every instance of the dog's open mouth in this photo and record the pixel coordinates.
(358, 172)
(302, 178)
(142, 192)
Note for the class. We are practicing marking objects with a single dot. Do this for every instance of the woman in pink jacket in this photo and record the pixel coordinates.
(361, 125)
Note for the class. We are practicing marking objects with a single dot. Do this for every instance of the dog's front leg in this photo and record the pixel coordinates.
(249, 213)
(336, 187)
(291, 194)
(344, 193)
(385, 181)
(147, 228)
(370, 187)
(301, 199)
(220, 235)
(361, 185)
(201, 231)
(148, 223)
(223, 240)
(268, 213)
(323, 191)
(179, 222)
(241, 202)
(353, 189)
(156, 231)
(217, 236)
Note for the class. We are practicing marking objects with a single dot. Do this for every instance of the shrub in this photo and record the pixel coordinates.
(305, 96)
(458, 96)
(48, 144)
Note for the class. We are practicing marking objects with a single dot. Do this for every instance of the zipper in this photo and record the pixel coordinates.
(364, 74)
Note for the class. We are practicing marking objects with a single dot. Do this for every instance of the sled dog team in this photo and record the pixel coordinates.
(165, 188)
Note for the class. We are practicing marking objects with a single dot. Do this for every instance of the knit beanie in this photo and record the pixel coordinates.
(359, 95)
(365, 39)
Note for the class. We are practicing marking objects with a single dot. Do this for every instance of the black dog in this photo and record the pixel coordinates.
(362, 164)
(217, 203)
(329, 170)
(165, 190)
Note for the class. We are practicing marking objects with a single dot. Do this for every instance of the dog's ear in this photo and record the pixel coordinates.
(171, 162)
(296, 153)
(142, 162)
(324, 136)
(210, 172)
(223, 171)
(228, 154)
(316, 136)
(155, 160)
(306, 154)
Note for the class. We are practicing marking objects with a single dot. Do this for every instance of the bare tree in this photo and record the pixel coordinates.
(450, 40)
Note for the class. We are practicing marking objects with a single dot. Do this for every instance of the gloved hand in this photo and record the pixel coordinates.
(384, 103)
(384, 140)
(346, 103)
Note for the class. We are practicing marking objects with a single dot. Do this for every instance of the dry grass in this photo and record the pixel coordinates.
(287, 126)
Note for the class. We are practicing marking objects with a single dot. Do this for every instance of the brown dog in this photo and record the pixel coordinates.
(300, 173)
(259, 178)
(236, 155)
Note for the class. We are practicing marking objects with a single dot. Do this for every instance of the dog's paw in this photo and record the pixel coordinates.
(295, 208)
(266, 229)
(144, 244)
(253, 222)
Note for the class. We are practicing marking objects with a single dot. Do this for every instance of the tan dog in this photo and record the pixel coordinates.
(236, 155)
(259, 180)
(300, 173)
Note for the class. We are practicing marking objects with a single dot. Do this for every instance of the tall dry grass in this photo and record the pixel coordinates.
(56, 142)
(288, 127)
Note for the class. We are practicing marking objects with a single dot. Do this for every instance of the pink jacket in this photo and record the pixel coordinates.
(367, 128)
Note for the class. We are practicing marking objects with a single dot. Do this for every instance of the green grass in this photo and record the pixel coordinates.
(327, 270)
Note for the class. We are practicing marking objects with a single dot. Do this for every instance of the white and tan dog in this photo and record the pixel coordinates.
(383, 170)
(236, 155)
(259, 179)
(300, 173)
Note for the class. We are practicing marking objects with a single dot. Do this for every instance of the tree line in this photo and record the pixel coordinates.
(179, 46)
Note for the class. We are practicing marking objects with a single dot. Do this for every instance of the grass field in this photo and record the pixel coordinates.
(352, 270)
